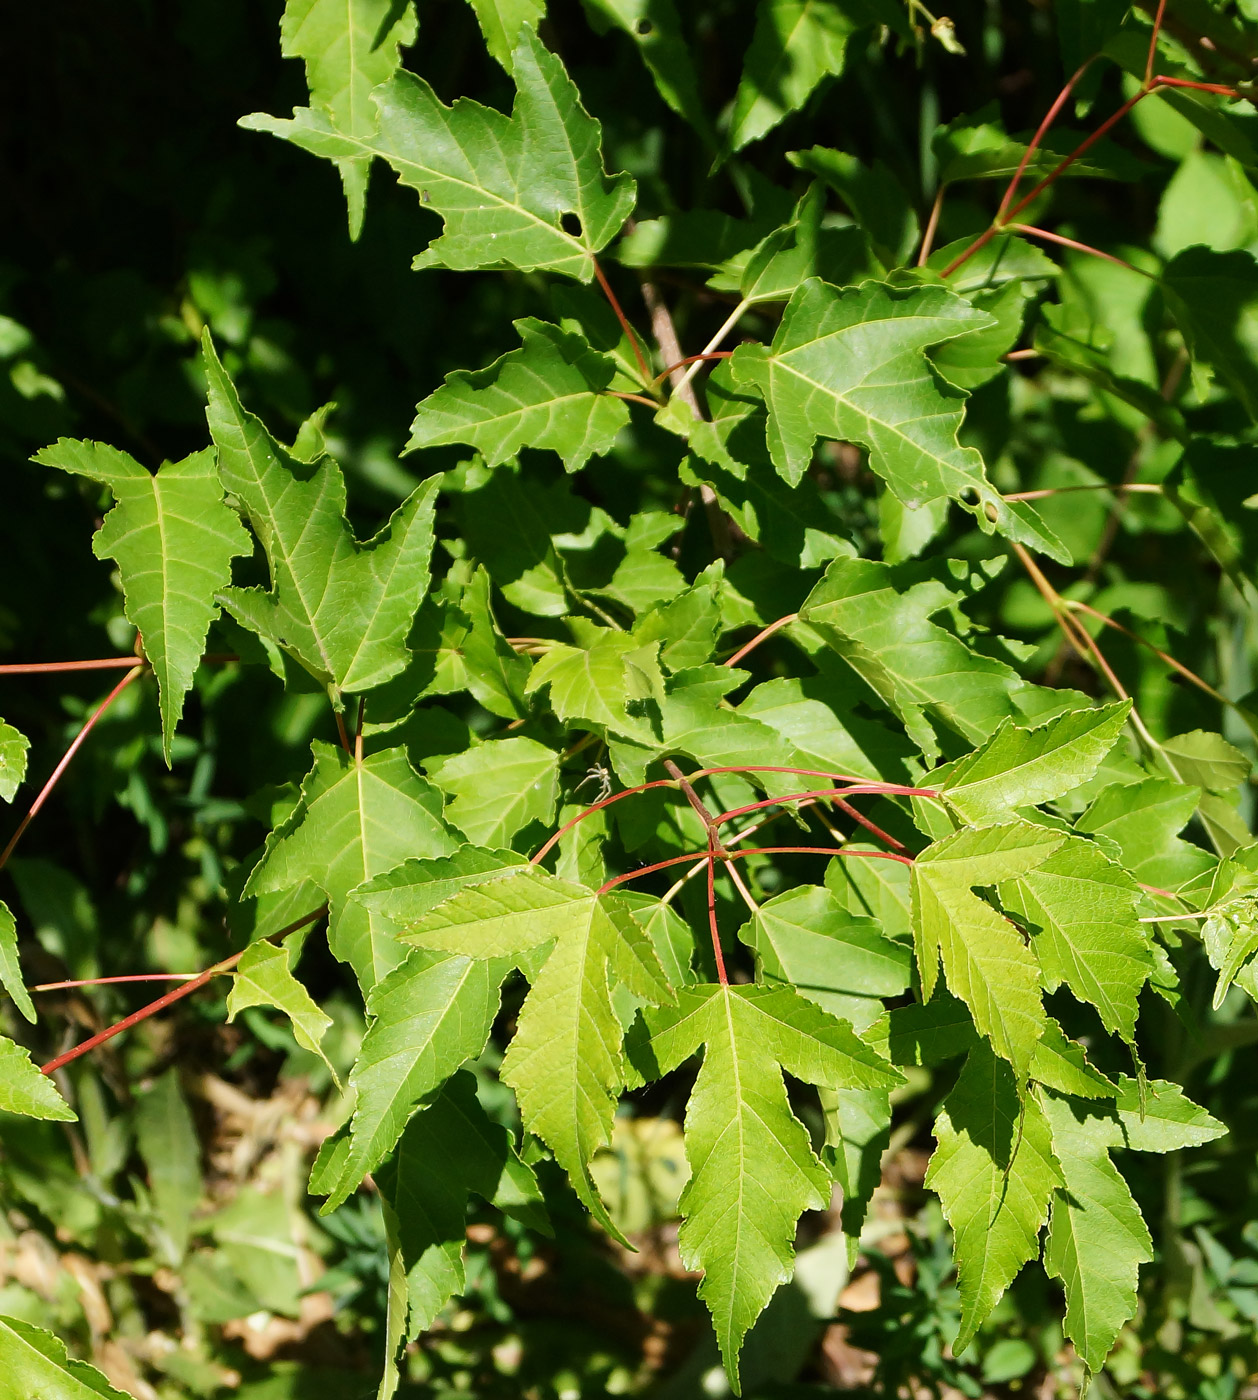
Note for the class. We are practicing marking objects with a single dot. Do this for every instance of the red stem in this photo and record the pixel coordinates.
(1033, 232)
(756, 851)
(760, 637)
(624, 321)
(1153, 42)
(712, 924)
(597, 807)
(1041, 131)
(168, 999)
(102, 663)
(884, 789)
(101, 981)
(928, 238)
(871, 827)
(75, 744)
(690, 360)
(1086, 144)
(1163, 81)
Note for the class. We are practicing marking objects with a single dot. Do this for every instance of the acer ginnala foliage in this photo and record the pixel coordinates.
(734, 702)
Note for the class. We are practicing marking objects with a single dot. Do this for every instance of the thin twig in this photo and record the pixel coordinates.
(1031, 231)
(75, 745)
(624, 321)
(1153, 42)
(104, 981)
(1151, 488)
(1040, 132)
(726, 326)
(30, 668)
(755, 851)
(698, 359)
(170, 997)
(761, 636)
(928, 238)
(1179, 666)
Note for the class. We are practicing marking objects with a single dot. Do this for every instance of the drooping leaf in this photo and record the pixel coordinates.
(850, 364)
(23, 1090)
(497, 788)
(14, 746)
(753, 1171)
(173, 538)
(342, 608)
(349, 48)
(1097, 1238)
(355, 820)
(548, 394)
(1024, 767)
(264, 977)
(508, 188)
(1080, 908)
(36, 1363)
(874, 196)
(429, 1016)
(994, 1171)
(565, 1060)
(450, 1148)
(985, 960)
(167, 1139)
(655, 28)
(1212, 297)
(796, 44)
(10, 966)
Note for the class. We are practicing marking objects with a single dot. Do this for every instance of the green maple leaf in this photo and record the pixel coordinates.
(548, 394)
(985, 960)
(342, 608)
(10, 966)
(1161, 1117)
(173, 538)
(1212, 296)
(349, 47)
(429, 1016)
(806, 939)
(796, 45)
(36, 1363)
(753, 1170)
(655, 28)
(14, 746)
(264, 977)
(355, 820)
(507, 187)
(1097, 1238)
(24, 1090)
(498, 788)
(1062, 1065)
(565, 1062)
(500, 22)
(877, 617)
(851, 364)
(1081, 909)
(450, 1148)
(591, 684)
(1024, 767)
(995, 1172)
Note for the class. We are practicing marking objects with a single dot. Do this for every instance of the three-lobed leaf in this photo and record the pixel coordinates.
(526, 190)
(173, 538)
(342, 608)
(753, 1170)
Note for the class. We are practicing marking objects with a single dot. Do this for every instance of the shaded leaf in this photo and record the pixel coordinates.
(753, 1171)
(994, 1171)
(10, 965)
(173, 538)
(355, 820)
(342, 608)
